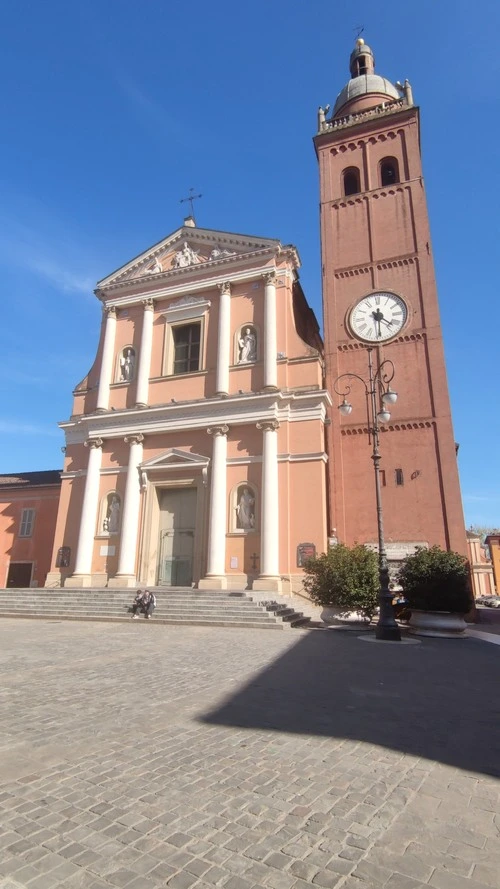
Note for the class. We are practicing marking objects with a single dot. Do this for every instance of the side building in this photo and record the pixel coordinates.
(195, 452)
(28, 511)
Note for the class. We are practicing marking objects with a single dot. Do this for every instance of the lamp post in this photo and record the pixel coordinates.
(379, 397)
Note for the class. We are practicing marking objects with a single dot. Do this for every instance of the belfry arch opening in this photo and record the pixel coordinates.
(389, 171)
(351, 181)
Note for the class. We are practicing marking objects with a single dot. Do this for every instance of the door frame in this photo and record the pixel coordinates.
(148, 562)
(19, 562)
(173, 531)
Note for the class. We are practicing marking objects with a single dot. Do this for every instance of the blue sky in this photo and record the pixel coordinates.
(113, 109)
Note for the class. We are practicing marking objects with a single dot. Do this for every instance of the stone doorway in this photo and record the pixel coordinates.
(19, 574)
(176, 536)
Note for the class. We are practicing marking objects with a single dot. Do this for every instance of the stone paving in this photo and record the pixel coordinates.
(143, 756)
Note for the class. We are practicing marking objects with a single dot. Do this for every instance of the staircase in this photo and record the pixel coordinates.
(175, 605)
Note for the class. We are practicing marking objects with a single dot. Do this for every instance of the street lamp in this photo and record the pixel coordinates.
(379, 397)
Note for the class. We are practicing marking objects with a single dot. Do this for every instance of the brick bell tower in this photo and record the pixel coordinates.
(379, 291)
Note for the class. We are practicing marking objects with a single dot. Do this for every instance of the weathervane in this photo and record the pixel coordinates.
(359, 29)
(192, 197)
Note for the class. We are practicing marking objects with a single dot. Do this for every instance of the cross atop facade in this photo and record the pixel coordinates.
(191, 197)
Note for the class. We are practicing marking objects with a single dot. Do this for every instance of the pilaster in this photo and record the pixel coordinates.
(144, 370)
(82, 575)
(223, 339)
(108, 352)
(126, 575)
(215, 578)
(269, 578)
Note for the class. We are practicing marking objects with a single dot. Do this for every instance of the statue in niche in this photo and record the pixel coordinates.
(248, 346)
(127, 365)
(111, 521)
(185, 257)
(245, 511)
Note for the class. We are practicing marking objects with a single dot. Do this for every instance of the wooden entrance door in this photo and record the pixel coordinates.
(177, 529)
(19, 574)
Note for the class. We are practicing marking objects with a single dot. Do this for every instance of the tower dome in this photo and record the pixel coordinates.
(365, 89)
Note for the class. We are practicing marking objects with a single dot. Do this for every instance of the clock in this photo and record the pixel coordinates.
(378, 317)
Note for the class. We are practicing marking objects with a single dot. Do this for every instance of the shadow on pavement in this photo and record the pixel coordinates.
(439, 700)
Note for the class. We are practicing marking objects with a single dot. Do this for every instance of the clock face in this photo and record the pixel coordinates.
(378, 317)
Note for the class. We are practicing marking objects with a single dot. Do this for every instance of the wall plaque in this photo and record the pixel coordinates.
(305, 551)
(63, 557)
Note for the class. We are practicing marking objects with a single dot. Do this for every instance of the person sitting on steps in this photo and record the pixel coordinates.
(144, 601)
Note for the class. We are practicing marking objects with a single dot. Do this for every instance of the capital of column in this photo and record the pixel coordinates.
(148, 304)
(270, 277)
(134, 439)
(268, 425)
(93, 443)
(218, 430)
(109, 311)
(224, 286)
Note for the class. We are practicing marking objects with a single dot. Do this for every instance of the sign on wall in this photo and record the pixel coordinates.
(305, 551)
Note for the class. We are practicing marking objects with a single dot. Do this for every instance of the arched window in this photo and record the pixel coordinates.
(351, 181)
(389, 171)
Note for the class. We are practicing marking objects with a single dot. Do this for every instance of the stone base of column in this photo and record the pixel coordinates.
(80, 581)
(141, 405)
(271, 583)
(213, 582)
(54, 579)
(126, 581)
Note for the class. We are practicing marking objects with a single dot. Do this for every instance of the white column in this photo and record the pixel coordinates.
(108, 352)
(130, 518)
(270, 338)
(145, 354)
(223, 339)
(216, 561)
(269, 527)
(85, 547)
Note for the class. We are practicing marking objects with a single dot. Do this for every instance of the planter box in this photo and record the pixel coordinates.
(443, 624)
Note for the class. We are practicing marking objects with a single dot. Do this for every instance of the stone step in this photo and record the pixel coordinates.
(220, 614)
(185, 621)
(174, 606)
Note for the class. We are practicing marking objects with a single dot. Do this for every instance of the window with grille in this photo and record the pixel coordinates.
(187, 340)
(399, 477)
(27, 522)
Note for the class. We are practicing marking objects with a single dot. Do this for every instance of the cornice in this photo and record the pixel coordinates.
(202, 414)
(374, 194)
(194, 271)
(389, 427)
(365, 119)
(354, 345)
(191, 287)
(354, 271)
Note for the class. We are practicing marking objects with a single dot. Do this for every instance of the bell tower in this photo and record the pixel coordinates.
(375, 240)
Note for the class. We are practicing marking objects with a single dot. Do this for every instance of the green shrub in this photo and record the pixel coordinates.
(344, 577)
(436, 580)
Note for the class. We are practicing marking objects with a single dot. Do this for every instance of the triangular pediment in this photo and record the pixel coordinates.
(188, 248)
(174, 457)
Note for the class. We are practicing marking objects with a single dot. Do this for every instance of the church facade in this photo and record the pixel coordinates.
(196, 443)
(203, 446)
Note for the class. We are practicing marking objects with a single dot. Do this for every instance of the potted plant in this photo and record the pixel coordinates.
(435, 583)
(345, 581)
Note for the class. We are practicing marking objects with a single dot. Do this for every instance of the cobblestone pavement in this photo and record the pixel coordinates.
(145, 756)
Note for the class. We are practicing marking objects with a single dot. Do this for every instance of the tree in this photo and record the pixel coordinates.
(345, 577)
